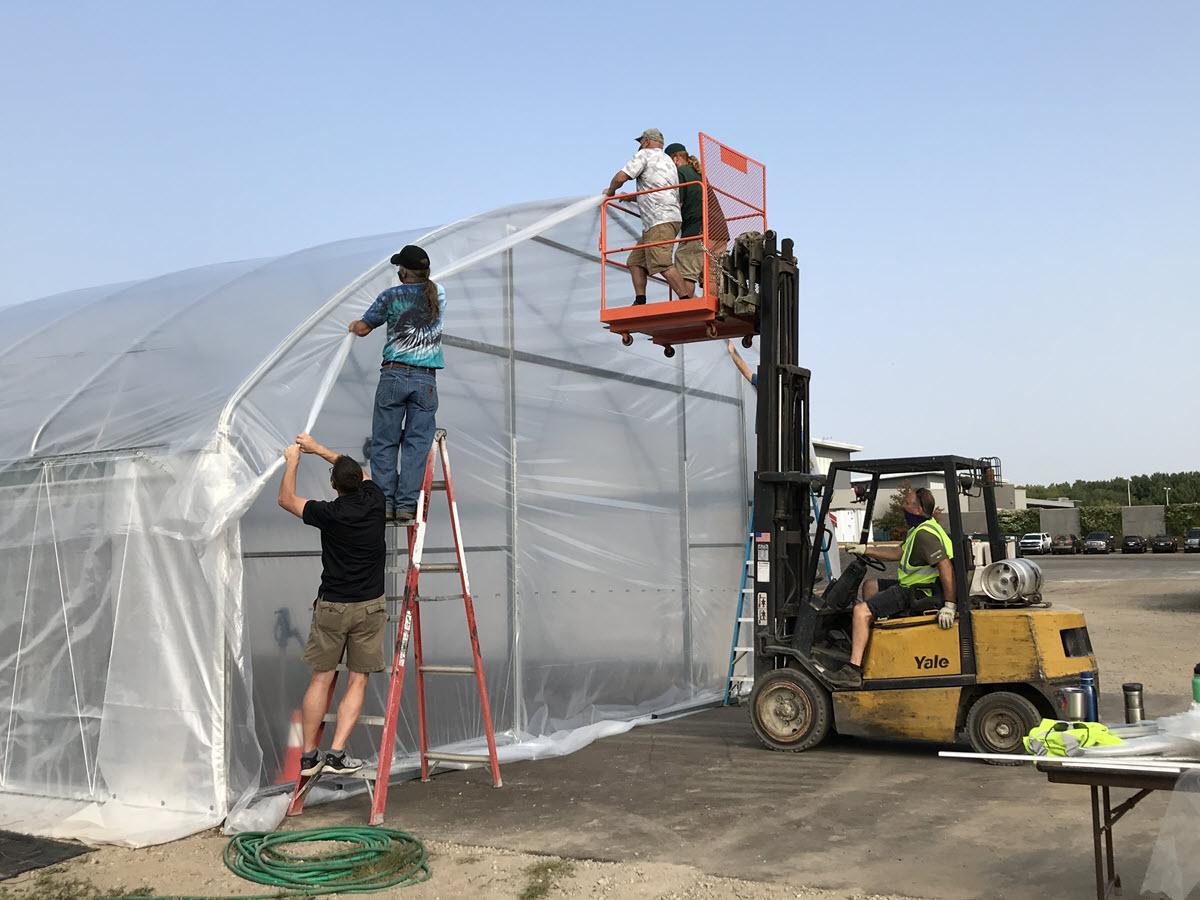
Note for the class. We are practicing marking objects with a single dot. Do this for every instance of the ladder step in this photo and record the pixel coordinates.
(440, 598)
(425, 568)
(747, 590)
(746, 619)
(448, 670)
(362, 720)
(742, 678)
(439, 486)
(743, 649)
(458, 757)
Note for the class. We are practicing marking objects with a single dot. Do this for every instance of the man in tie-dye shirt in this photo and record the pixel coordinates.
(406, 400)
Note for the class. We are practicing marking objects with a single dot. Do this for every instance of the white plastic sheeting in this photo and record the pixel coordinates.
(154, 599)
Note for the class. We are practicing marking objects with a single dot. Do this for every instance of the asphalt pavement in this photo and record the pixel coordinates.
(1120, 566)
(862, 816)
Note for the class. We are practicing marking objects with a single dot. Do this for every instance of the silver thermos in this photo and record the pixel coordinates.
(1133, 702)
(1072, 704)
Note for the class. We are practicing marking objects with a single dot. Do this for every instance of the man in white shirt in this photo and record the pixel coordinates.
(660, 212)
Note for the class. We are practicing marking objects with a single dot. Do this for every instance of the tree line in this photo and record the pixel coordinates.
(1142, 489)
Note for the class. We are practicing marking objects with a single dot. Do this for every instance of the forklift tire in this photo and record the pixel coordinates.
(996, 723)
(790, 710)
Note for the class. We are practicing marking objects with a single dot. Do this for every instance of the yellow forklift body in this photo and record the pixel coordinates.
(912, 647)
(920, 714)
(1012, 646)
(1027, 645)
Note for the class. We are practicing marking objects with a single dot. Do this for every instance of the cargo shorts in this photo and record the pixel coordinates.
(893, 599)
(353, 629)
(655, 259)
(689, 260)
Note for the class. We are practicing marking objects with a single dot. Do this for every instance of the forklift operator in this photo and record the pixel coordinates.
(926, 574)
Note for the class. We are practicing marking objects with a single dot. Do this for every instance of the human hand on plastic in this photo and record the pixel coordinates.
(292, 453)
(359, 327)
(307, 443)
(860, 549)
(946, 615)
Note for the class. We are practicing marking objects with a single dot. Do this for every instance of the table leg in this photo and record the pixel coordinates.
(1100, 892)
(1113, 878)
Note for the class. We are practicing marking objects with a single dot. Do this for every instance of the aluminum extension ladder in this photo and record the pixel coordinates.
(409, 619)
(734, 682)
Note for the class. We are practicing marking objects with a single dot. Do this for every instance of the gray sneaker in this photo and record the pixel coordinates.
(389, 511)
(341, 763)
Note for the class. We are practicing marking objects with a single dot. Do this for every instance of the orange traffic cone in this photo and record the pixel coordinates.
(295, 748)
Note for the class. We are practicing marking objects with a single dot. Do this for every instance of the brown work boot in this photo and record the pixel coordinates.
(848, 676)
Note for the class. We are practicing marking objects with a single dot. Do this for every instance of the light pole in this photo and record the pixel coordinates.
(1128, 494)
(1168, 490)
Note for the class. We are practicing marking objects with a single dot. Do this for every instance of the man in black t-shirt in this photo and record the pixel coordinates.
(350, 611)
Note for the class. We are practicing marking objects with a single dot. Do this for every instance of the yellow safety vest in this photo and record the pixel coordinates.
(1055, 737)
(921, 576)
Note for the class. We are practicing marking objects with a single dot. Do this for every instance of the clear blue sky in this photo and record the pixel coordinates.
(996, 202)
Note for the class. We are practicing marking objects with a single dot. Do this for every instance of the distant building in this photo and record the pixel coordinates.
(1056, 503)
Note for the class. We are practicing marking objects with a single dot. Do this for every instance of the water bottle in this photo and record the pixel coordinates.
(1087, 681)
(1196, 684)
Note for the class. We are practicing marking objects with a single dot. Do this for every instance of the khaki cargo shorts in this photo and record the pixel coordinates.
(689, 259)
(655, 259)
(355, 629)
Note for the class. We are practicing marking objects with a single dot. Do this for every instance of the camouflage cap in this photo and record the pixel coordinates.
(650, 134)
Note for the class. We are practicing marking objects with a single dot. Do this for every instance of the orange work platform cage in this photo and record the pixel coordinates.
(735, 202)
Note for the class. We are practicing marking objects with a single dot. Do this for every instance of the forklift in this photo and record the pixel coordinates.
(988, 679)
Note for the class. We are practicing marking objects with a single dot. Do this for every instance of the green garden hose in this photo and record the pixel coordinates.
(378, 858)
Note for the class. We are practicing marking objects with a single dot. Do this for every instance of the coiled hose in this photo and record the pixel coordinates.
(378, 858)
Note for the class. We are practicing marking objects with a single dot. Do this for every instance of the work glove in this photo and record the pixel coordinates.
(946, 615)
(860, 549)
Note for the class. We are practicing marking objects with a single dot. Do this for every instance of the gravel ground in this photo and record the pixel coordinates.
(193, 866)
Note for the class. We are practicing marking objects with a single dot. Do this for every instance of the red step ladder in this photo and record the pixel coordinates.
(410, 632)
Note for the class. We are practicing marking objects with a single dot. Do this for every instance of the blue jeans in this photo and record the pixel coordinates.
(406, 402)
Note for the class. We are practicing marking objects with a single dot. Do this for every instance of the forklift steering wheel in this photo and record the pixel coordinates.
(871, 562)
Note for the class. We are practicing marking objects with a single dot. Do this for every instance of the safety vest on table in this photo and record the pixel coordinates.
(1055, 737)
(921, 576)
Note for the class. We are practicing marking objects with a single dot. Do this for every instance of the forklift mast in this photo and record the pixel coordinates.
(783, 479)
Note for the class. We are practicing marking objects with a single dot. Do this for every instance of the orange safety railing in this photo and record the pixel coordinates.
(734, 190)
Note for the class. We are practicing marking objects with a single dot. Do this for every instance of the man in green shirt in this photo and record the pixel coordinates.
(926, 581)
(689, 258)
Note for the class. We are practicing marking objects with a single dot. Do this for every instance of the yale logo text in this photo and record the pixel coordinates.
(931, 662)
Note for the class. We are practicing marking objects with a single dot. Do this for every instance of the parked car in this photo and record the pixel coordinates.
(1035, 542)
(1191, 542)
(1066, 543)
(1099, 542)
(1134, 543)
(1164, 543)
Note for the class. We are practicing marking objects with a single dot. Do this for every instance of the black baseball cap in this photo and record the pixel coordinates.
(411, 257)
(672, 149)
